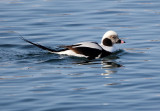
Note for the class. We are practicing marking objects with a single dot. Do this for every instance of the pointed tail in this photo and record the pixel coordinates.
(40, 46)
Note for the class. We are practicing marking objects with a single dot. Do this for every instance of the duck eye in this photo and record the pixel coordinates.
(113, 37)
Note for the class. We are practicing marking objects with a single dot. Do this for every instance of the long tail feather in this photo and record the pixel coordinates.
(40, 46)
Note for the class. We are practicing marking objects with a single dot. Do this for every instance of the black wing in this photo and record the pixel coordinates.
(91, 53)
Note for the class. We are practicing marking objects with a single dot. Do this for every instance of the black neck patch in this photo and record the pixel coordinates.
(107, 42)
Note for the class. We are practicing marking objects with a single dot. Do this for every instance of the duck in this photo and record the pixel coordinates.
(89, 50)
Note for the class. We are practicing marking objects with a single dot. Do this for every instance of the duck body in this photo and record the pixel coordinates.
(90, 50)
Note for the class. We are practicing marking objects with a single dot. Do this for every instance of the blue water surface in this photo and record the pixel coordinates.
(32, 79)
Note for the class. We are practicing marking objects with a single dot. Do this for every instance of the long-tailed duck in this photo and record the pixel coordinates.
(90, 50)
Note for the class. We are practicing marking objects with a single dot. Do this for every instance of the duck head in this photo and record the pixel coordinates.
(110, 38)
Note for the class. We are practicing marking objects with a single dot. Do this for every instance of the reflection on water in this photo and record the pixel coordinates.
(110, 67)
(105, 63)
(109, 64)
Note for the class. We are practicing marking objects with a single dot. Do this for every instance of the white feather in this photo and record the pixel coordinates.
(90, 45)
(110, 49)
(70, 53)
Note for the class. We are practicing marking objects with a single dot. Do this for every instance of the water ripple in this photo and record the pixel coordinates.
(33, 79)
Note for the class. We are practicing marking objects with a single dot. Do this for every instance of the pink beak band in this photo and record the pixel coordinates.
(122, 42)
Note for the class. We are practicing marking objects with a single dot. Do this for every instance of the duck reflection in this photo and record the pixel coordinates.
(110, 67)
(106, 63)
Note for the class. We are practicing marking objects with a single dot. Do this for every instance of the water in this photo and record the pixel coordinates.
(34, 80)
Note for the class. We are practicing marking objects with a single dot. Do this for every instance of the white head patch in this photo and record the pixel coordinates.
(108, 34)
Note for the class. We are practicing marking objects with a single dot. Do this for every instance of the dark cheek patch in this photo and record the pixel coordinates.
(107, 42)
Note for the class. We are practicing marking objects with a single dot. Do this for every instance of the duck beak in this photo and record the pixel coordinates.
(121, 41)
